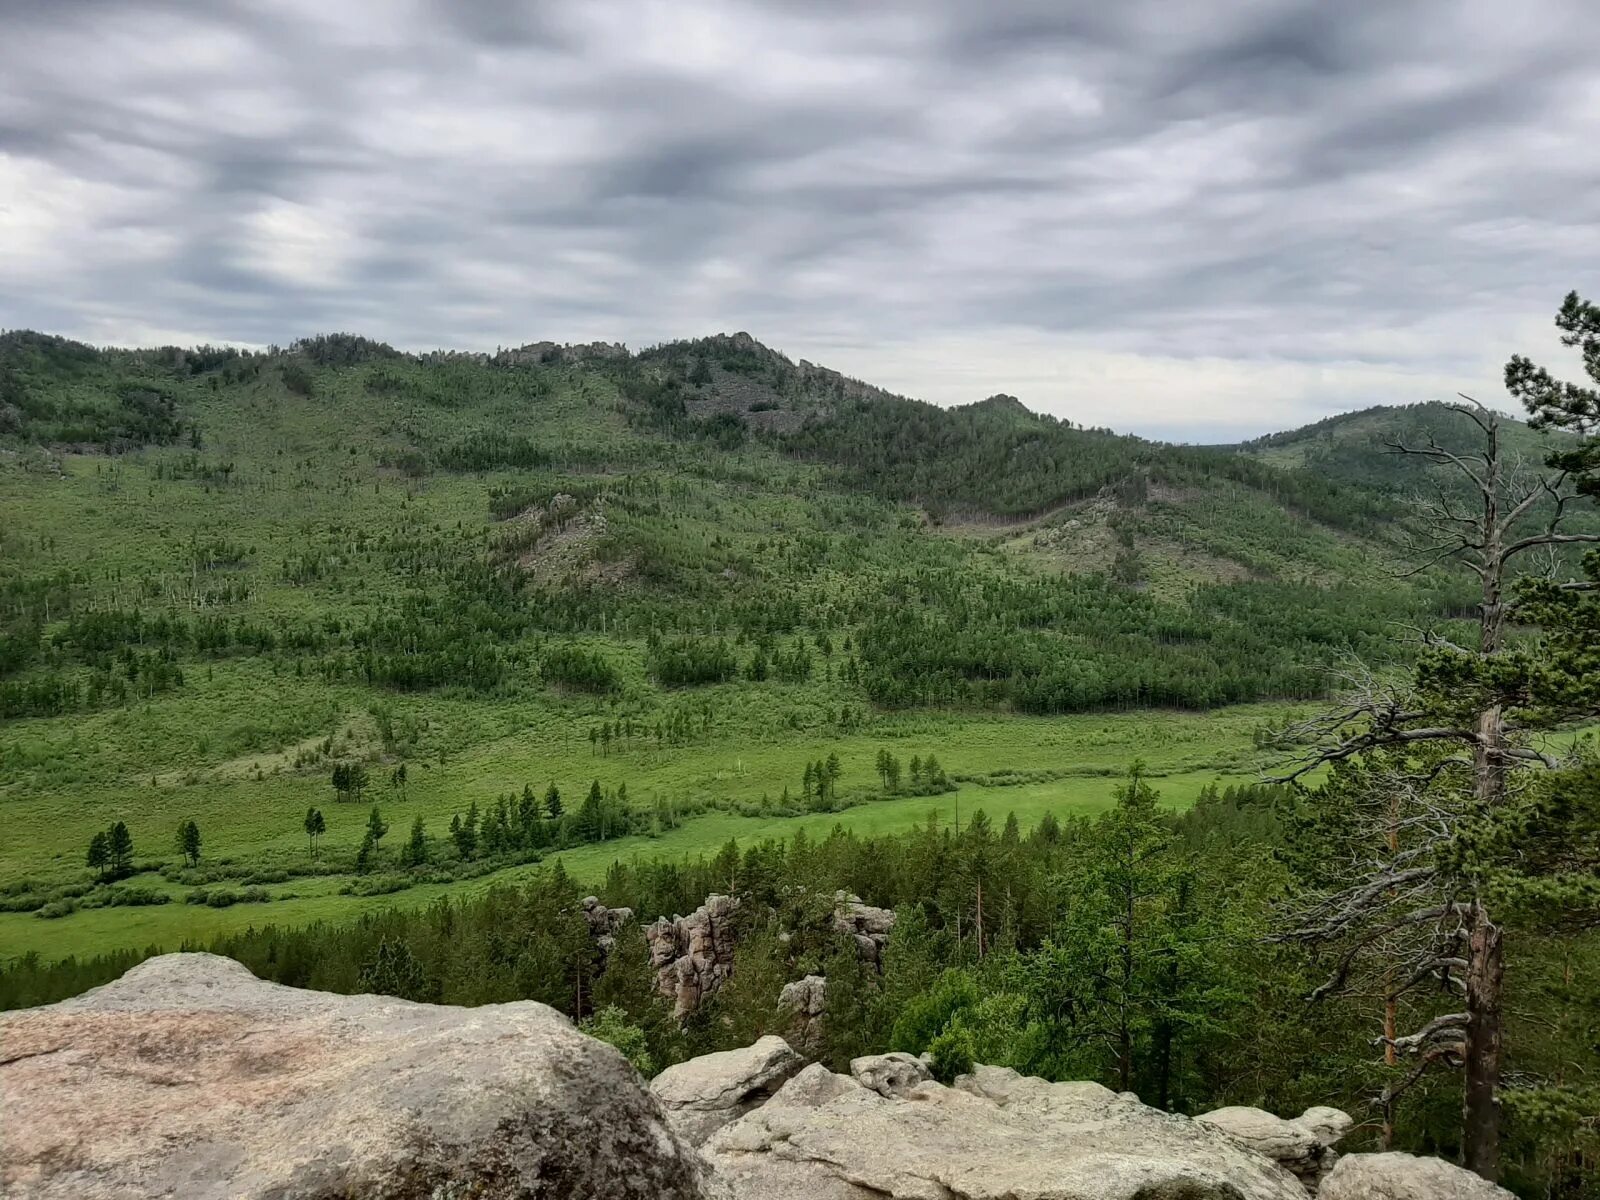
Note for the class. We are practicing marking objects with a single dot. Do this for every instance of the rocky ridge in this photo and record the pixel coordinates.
(190, 1077)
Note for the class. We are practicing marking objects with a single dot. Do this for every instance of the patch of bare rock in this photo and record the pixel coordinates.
(190, 1078)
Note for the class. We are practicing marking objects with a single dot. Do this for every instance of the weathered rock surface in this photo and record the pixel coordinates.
(995, 1135)
(868, 925)
(604, 923)
(189, 1077)
(804, 1002)
(1404, 1177)
(1303, 1145)
(693, 955)
(704, 1094)
(891, 1074)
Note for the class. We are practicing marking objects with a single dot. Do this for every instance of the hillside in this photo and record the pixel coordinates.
(668, 583)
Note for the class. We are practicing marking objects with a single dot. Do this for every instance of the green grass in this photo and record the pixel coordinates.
(695, 540)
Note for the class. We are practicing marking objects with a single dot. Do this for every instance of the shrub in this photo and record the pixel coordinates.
(950, 1054)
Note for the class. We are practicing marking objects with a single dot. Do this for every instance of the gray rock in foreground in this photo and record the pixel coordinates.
(995, 1136)
(1303, 1145)
(189, 1077)
(1395, 1176)
(704, 1094)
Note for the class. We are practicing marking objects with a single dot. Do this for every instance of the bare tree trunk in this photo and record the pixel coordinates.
(1480, 1105)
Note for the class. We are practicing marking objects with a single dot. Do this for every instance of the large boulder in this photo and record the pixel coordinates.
(190, 1077)
(704, 1094)
(994, 1136)
(1302, 1145)
(1396, 1176)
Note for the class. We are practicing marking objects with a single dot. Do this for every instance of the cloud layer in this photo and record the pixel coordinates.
(1197, 221)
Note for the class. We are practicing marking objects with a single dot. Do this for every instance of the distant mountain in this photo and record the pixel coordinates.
(1359, 447)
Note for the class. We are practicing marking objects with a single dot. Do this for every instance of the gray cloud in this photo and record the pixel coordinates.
(1194, 221)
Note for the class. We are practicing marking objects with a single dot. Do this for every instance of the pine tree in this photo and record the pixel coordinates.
(591, 815)
(188, 842)
(1475, 709)
(99, 852)
(119, 846)
(552, 802)
(315, 826)
(416, 852)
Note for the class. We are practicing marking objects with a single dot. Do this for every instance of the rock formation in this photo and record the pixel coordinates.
(994, 1135)
(190, 1077)
(892, 1074)
(693, 955)
(804, 1002)
(868, 925)
(1404, 1177)
(704, 1094)
(1304, 1145)
(604, 923)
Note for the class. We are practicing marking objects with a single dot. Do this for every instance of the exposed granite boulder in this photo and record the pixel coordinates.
(704, 1094)
(1396, 1176)
(995, 1136)
(190, 1077)
(868, 925)
(1303, 1146)
(693, 955)
(804, 1002)
(891, 1074)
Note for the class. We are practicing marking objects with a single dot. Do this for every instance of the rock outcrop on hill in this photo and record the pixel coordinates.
(868, 925)
(604, 923)
(693, 955)
(804, 1002)
(188, 1077)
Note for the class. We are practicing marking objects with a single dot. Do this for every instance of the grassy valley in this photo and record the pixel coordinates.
(678, 579)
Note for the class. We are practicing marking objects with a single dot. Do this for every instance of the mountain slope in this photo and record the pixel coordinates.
(224, 576)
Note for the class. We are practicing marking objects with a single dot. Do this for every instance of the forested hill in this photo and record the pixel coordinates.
(630, 524)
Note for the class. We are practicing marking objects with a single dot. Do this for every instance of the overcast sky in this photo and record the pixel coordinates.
(1194, 220)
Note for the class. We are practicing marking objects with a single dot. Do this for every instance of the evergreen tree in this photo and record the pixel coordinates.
(99, 852)
(416, 852)
(377, 827)
(315, 826)
(393, 970)
(1473, 710)
(188, 841)
(119, 848)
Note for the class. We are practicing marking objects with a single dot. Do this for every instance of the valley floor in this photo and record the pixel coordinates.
(730, 786)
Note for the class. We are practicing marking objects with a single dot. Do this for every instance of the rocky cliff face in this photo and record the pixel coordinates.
(190, 1078)
(693, 955)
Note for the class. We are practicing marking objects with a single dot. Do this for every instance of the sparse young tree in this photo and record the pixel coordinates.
(99, 852)
(376, 826)
(315, 826)
(416, 852)
(188, 841)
